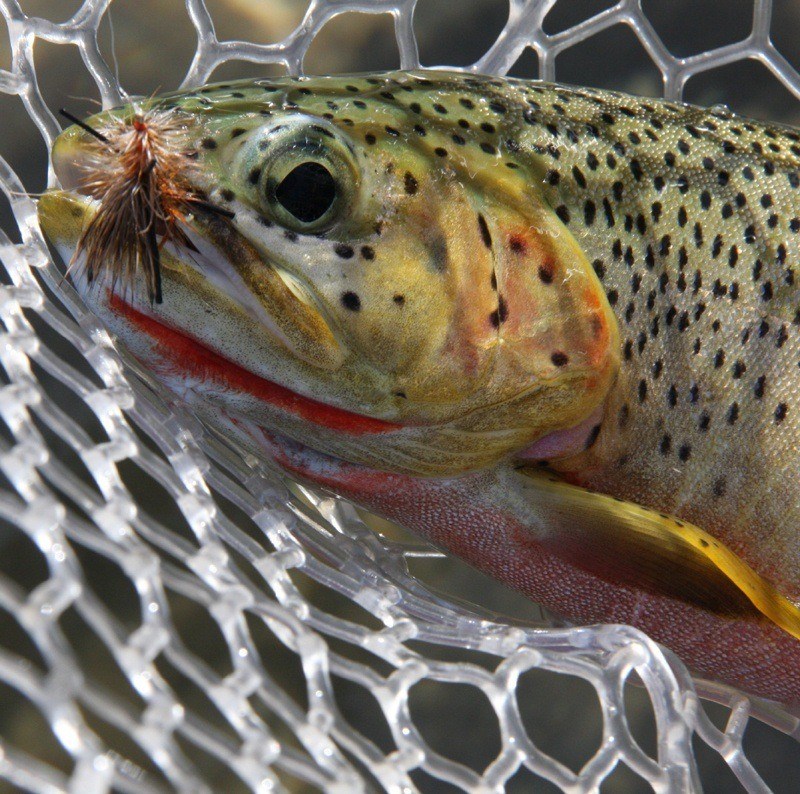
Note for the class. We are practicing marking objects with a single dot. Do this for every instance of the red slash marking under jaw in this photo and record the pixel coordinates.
(194, 358)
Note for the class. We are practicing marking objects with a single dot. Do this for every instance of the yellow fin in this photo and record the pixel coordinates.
(623, 542)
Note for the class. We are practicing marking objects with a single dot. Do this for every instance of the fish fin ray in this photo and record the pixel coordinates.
(628, 544)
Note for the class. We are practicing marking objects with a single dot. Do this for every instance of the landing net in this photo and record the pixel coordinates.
(173, 618)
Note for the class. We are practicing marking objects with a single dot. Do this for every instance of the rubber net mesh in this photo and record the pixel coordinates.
(172, 617)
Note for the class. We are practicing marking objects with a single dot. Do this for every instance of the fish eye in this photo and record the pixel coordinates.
(300, 172)
(307, 192)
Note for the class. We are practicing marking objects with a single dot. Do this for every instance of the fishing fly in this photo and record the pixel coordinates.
(138, 172)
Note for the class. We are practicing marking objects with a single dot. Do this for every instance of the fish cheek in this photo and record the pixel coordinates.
(560, 342)
(425, 299)
(393, 312)
(456, 288)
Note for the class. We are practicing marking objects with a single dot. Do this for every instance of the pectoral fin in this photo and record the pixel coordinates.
(625, 543)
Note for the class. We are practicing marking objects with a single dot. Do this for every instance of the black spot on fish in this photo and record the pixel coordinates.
(559, 358)
(502, 308)
(344, 251)
(437, 245)
(484, 229)
(672, 396)
(591, 439)
(351, 301)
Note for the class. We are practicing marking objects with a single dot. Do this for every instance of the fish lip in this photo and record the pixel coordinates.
(72, 160)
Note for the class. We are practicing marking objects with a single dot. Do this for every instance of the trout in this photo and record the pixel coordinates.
(553, 330)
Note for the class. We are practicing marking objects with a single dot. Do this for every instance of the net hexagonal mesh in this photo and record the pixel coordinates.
(175, 618)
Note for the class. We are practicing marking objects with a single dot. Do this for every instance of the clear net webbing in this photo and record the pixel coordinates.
(172, 618)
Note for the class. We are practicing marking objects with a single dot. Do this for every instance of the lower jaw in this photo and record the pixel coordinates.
(185, 356)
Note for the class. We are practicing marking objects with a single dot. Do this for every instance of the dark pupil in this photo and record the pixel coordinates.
(307, 192)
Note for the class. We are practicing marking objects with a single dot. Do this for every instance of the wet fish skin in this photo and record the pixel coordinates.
(524, 273)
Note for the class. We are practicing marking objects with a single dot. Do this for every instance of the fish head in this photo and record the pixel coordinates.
(361, 263)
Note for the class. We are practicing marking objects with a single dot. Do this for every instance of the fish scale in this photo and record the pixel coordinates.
(696, 254)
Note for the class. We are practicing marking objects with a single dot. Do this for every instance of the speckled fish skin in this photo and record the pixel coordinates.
(692, 221)
(527, 271)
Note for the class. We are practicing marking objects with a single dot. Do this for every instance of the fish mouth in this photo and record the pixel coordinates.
(181, 353)
(212, 325)
(232, 319)
(206, 241)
